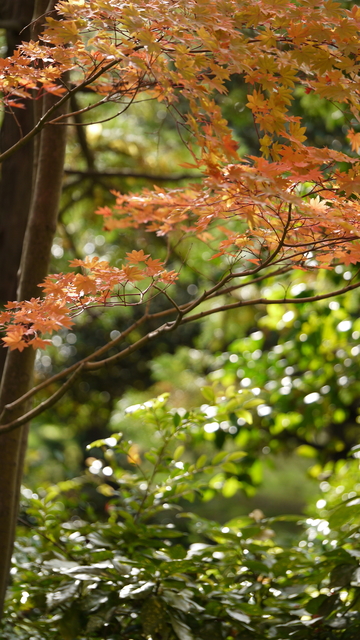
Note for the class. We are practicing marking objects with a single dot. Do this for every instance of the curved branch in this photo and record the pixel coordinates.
(170, 326)
(44, 119)
(264, 301)
(88, 363)
(265, 276)
(46, 404)
(65, 372)
(128, 173)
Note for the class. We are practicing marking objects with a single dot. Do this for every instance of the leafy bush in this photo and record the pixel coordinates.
(146, 568)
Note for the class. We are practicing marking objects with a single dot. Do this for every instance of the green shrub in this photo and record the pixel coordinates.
(147, 569)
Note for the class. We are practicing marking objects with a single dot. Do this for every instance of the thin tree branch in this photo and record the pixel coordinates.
(88, 363)
(264, 301)
(92, 366)
(65, 372)
(44, 119)
(81, 135)
(170, 326)
(46, 404)
(235, 287)
(129, 173)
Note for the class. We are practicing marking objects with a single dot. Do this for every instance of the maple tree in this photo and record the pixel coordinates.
(292, 206)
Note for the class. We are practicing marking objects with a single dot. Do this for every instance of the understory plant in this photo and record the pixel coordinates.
(144, 565)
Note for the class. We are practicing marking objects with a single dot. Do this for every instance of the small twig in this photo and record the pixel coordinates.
(129, 173)
(264, 301)
(65, 372)
(235, 287)
(90, 365)
(45, 118)
(19, 422)
(81, 135)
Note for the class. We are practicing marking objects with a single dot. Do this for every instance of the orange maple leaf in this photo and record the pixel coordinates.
(15, 339)
(354, 140)
(136, 256)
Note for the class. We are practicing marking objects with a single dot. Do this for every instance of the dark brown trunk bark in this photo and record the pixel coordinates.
(17, 171)
(19, 366)
(44, 190)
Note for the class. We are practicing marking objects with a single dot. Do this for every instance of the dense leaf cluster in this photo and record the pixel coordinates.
(150, 569)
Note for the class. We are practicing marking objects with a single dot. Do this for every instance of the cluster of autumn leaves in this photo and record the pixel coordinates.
(67, 294)
(274, 209)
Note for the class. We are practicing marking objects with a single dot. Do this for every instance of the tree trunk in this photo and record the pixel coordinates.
(18, 369)
(17, 170)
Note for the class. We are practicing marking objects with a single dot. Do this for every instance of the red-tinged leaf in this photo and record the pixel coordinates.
(103, 211)
(169, 276)
(77, 263)
(5, 317)
(15, 339)
(84, 285)
(354, 140)
(165, 47)
(230, 146)
(55, 90)
(39, 343)
(189, 165)
(137, 256)
(15, 104)
(154, 267)
(133, 273)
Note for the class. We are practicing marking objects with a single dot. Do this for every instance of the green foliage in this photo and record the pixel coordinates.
(301, 364)
(148, 568)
